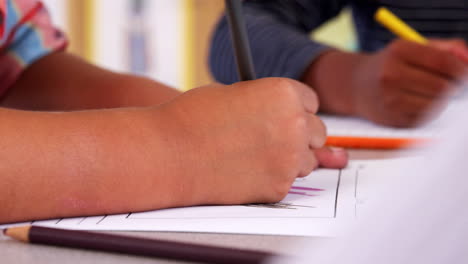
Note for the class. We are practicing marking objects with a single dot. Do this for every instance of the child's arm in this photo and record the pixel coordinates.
(218, 144)
(61, 81)
(37, 74)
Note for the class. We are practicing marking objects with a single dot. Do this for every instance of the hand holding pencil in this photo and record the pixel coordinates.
(416, 75)
(394, 24)
(401, 85)
(406, 83)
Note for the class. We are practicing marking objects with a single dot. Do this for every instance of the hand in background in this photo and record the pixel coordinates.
(246, 142)
(457, 47)
(398, 86)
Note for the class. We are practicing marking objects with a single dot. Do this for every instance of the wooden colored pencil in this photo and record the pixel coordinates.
(135, 246)
(240, 40)
(375, 142)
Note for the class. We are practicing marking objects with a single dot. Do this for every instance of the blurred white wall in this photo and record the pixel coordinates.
(159, 28)
(58, 8)
(162, 29)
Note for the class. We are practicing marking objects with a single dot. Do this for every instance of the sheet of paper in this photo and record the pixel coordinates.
(316, 206)
(418, 215)
(357, 127)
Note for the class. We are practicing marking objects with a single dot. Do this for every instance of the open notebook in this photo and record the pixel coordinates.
(316, 206)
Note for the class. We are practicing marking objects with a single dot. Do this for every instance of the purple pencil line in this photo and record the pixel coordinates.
(302, 193)
(307, 189)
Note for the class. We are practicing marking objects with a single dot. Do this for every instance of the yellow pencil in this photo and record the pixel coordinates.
(387, 19)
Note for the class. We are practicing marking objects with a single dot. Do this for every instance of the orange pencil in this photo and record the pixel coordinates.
(374, 143)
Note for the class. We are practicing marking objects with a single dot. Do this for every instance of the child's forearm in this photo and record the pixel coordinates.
(83, 163)
(206, 146)
(63, 82)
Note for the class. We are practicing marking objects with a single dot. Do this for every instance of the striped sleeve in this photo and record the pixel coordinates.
(28, 36)
(279, 37)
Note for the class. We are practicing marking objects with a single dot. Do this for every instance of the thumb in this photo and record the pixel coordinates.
(332, 158)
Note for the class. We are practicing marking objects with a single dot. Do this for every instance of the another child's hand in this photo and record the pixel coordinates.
(244, 143)
(397, 86)
(405, 82)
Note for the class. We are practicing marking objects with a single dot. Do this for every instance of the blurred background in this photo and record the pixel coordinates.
(167, 40)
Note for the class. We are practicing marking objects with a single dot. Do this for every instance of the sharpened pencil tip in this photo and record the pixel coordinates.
(5, 231)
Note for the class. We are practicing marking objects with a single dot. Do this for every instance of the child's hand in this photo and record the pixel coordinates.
(218, 144)
(243, 143)
(408, 81)
(457, 47)
(397, 86)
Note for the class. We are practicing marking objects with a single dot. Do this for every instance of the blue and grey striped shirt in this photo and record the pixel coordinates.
(279, 31)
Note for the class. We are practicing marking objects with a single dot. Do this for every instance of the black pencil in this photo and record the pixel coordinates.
(240, 40)
(135, 246)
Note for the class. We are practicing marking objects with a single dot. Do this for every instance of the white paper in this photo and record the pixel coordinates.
(357, 127)
(417, 216)
(317, 205)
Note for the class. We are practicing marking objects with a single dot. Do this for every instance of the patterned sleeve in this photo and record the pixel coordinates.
(27, 34)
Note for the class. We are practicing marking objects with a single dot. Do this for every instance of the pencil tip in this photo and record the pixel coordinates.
(5, 231)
